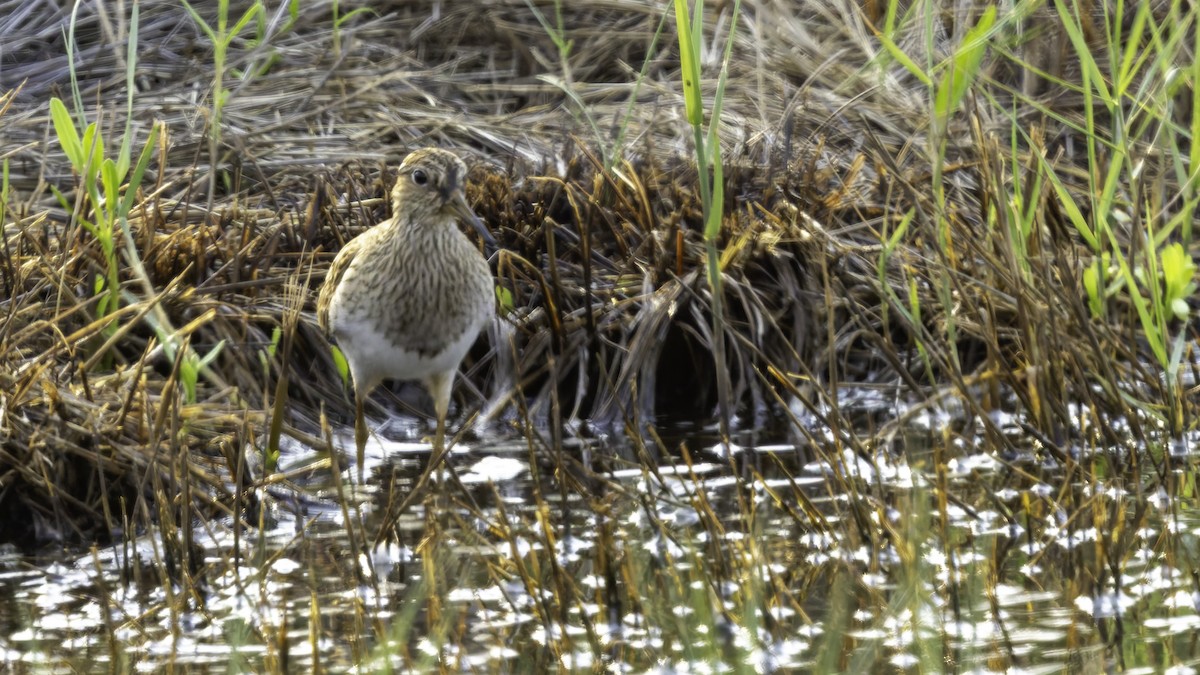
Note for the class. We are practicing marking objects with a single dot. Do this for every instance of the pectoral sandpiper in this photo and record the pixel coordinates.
(406, 299)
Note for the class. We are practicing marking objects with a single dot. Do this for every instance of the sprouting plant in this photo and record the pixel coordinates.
(191, 366)
(221, 37)
(102, 176)
(109, 188)
(1099, 285)
(566, 82)
(1179, 280)
(86, 155)
(709, 167)
(339, 20)
(558, 35)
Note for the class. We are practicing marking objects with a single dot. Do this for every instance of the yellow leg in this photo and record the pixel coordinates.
(360, 435)
(439, 386)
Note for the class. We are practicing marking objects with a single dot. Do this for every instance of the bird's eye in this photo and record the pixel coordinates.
(420, 177)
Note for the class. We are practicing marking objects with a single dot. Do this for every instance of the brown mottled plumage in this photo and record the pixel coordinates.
(406, 299)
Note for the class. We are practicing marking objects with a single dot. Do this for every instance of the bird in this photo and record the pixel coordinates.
(406, 299)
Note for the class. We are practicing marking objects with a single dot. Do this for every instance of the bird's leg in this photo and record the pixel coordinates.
(439, 388)
(360, 435)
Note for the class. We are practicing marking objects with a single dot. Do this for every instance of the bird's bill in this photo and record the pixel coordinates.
(458, 203)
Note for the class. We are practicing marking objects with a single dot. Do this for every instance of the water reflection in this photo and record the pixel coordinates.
(585, 558)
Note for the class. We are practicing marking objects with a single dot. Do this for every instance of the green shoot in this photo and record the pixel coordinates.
(708, 159)
(221, 38)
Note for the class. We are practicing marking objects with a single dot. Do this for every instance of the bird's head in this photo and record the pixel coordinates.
(429, 187)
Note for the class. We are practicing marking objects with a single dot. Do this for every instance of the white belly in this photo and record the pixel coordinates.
(374, 358)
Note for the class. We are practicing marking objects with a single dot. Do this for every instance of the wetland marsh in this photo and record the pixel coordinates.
(904, 379)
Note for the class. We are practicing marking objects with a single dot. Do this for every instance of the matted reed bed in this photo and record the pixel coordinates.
(1023, 245)
(594, 202)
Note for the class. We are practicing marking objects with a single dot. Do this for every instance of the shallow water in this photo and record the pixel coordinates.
(941, 555)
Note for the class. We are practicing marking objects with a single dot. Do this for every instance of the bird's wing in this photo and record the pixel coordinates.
(333, 277)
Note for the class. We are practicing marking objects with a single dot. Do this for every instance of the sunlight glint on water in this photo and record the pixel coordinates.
(703, 591)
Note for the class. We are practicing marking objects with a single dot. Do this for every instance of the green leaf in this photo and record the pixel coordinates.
(367, 10)
(212, 354)
(93, 150)
(112, 186)
(102, 303)
(188, 376)
(1154, 336)
(340, 363)
(60, 198)
(1179, 308)
(68, 136)
(1083, 51)
(1179, 271)
(130, 70)
(1072, 209)
(1132, 41)
(276, 334)
(505, 298)
(714, 123)
(716, 208)
(901, 229)
(1092, 284)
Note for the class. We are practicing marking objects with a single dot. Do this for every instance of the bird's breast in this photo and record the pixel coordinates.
(420, 295)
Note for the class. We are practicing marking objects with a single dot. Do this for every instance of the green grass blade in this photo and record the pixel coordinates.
(249, 16)
(714, 125)
(1126, 71)
(904, 60)
(1073, 213)
(353, 13)
(126, 151)
(112, 185)
(93, 152)
(212, 36)
(964, 66)
(633, 99)
(1083, 51)
(341, 365)
(689, 65)
(716, 207)
(75, 96)
(1154, 336)
(135, 181)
